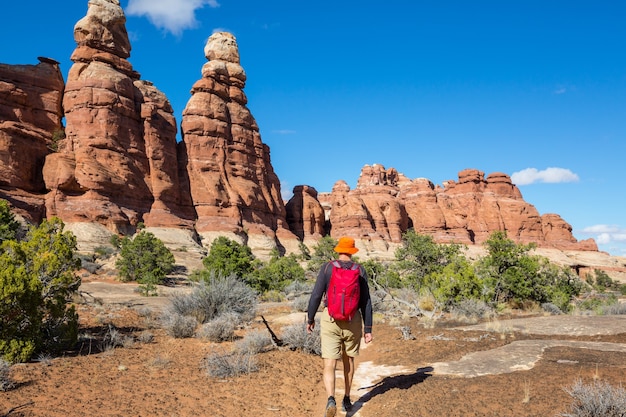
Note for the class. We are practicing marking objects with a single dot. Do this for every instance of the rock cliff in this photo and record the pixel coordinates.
(117, 163)
(231, 179)
(30, 128)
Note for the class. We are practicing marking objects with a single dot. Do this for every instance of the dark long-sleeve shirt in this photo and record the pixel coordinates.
(321, 288)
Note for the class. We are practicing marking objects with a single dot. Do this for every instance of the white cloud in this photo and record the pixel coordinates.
(549, 175)
(600, 228)
(561, 90)
(605, 234)
(172, 15)
(284, 132)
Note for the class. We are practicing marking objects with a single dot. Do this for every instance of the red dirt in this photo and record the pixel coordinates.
(166, 377)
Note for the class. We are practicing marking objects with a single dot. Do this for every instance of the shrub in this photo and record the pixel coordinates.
(104, 252)
(454, 282)
(472, 309)
(8, 225)
(296, 337)
(219, 329)
(598, 399)
(551, 308)
(420, 256)
(144, 259)
(603, 280)
(297, 288)
(276, 275)
(177, 325)
(254, 342)
(227, 257)
(272, 296)
(6, 383)
(38, 280)
(217, 297)
(230, 364)
(301, 303)
(112, 338)
(613, 309)
(323, 251)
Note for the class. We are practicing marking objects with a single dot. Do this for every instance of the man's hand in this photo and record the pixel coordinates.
(368, 337)
(310, 327)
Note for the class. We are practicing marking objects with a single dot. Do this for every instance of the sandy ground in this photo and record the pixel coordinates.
(506, 368)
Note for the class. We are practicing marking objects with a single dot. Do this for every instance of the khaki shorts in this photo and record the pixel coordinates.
(340, 336)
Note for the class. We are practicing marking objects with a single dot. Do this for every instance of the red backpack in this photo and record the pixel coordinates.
(343, 292)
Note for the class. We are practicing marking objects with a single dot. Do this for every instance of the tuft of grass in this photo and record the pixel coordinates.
(230, 364)
(613, 309)
(113, 338)
(472, 310)
(526, 398)
(598, 399)
(296, 337)
(145, 337)
(178, 325)
(406, 333)
(551, 308)
(220, 329)
(254, 342)
(6, 383)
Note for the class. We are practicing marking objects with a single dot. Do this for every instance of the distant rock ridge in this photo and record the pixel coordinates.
(385, 204)
(116, 163)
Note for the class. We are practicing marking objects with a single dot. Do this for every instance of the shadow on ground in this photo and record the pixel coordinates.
(404, 381)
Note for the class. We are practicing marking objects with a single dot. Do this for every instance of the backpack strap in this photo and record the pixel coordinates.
(336, 264)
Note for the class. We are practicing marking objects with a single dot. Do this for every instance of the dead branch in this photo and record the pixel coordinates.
(275, 338)
(17, 408)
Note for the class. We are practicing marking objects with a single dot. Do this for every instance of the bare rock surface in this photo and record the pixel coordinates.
(117, 165)
(30, 127)
(232, 183)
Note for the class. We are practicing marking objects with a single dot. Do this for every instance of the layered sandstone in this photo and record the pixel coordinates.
(305, 214)
(117, 165)
(30, 128)
(231, 179)
(385, 204)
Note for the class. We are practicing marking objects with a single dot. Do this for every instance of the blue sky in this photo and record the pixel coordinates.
(534, 89)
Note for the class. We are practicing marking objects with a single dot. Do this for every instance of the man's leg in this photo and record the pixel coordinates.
(329, 376)
(348, 372)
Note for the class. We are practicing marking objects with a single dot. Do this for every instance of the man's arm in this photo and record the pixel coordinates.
(321, 283)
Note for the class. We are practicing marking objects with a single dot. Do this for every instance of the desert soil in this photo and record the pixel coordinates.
(396, 375)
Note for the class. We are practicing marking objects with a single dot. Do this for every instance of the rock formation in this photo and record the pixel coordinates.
(385, 204)
(30, 127)
(117, 165)
(305, 214)
(232, 182)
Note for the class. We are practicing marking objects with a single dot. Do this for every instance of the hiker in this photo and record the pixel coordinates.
(341, 334)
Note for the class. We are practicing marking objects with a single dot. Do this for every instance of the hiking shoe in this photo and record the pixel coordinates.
(346, 404)
(331, 407)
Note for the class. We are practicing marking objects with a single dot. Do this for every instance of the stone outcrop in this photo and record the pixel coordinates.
(118, 163)
(30, 127)
(385, 204)
(305, 214)
(232, 182)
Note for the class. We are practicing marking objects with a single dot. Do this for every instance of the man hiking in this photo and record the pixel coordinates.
(347, 316)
